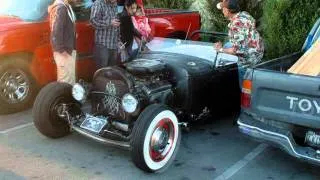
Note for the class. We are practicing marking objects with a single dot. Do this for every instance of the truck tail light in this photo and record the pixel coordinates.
(246, 94)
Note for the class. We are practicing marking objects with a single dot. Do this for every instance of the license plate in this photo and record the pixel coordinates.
(93, 124)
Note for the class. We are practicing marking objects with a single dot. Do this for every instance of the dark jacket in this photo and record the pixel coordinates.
(127, 30)
(62, 28)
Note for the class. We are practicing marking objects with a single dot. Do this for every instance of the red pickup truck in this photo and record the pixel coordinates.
(26, 60)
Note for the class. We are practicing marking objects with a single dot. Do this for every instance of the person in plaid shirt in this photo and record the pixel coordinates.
(244, 39)
(107, 32)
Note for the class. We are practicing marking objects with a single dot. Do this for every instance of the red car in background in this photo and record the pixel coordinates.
(26, 60)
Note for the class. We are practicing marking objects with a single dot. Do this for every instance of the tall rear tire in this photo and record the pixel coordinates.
(47, 106)
(155, 139)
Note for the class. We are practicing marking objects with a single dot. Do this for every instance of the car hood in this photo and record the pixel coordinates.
(193, 49)
(197, 49)
(9, 22)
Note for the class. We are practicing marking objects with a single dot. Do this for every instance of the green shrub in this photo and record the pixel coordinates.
(171, 4)
(219, 23)
(286, 24)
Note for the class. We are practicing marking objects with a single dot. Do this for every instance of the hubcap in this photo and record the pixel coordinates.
(162, 140)
(14, 86)
(57, 111)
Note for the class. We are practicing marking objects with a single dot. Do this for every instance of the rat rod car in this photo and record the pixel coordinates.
(142, 105)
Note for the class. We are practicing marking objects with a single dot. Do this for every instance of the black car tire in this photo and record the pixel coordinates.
(45, 109)
(16, 80)
(155, 122)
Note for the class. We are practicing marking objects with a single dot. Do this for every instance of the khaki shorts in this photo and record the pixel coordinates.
(66, 67)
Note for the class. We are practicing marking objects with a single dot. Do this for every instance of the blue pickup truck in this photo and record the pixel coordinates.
(281, 108)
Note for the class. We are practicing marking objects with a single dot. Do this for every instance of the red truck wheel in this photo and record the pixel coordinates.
(17, 85)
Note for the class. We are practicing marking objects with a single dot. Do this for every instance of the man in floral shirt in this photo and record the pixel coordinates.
(244, 39)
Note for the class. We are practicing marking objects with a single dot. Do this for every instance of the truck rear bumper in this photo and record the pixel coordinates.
(278, 137)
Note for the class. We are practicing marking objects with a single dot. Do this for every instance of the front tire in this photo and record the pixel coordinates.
(155, 139)
(47, 106)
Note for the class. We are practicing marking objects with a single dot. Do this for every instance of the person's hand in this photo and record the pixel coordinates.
(143, 39)
(115, 22)
(65, 54)
(121, 45)
(149, 38)
(217, 45)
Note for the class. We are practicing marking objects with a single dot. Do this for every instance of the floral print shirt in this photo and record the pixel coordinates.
(245, 38)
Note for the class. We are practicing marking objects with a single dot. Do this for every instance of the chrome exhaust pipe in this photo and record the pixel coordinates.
(120, 126)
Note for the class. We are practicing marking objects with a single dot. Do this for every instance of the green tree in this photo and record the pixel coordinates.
(286, 24)
(171, 4)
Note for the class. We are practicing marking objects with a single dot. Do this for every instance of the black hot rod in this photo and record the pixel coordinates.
(142, 105)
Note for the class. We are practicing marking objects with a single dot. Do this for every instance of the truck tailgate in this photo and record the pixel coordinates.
(286, 97)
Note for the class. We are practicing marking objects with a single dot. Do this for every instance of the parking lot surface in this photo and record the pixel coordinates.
(214, 150)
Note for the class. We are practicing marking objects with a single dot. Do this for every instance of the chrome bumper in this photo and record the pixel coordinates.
(276, 136)
(121, 144)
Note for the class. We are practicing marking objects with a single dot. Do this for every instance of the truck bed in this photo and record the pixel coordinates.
(281, 64)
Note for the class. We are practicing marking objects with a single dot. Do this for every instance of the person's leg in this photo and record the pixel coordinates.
(241, 73)
(113, 57)
(59, 60)
(132, 53)
(73, 67)
(65, 67)
(101, 56)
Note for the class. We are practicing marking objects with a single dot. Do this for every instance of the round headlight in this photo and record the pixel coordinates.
(129, 103)
(78, 92)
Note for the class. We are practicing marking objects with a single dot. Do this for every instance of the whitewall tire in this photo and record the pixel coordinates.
(155, 139)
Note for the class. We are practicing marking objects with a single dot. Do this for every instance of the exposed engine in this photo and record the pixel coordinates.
(147, 80)
(109, 85)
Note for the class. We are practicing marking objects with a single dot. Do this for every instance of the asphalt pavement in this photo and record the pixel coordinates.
(214, 150)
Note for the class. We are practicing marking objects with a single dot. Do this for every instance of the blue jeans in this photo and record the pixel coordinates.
(132, 52)
(104, 56)
(241, 72)
(227, 45)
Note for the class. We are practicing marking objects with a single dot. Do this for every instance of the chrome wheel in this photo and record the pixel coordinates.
(162, 140)
(14, 86)
(155, 138)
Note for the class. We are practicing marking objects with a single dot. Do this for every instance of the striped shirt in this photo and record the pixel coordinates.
(102, 13)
